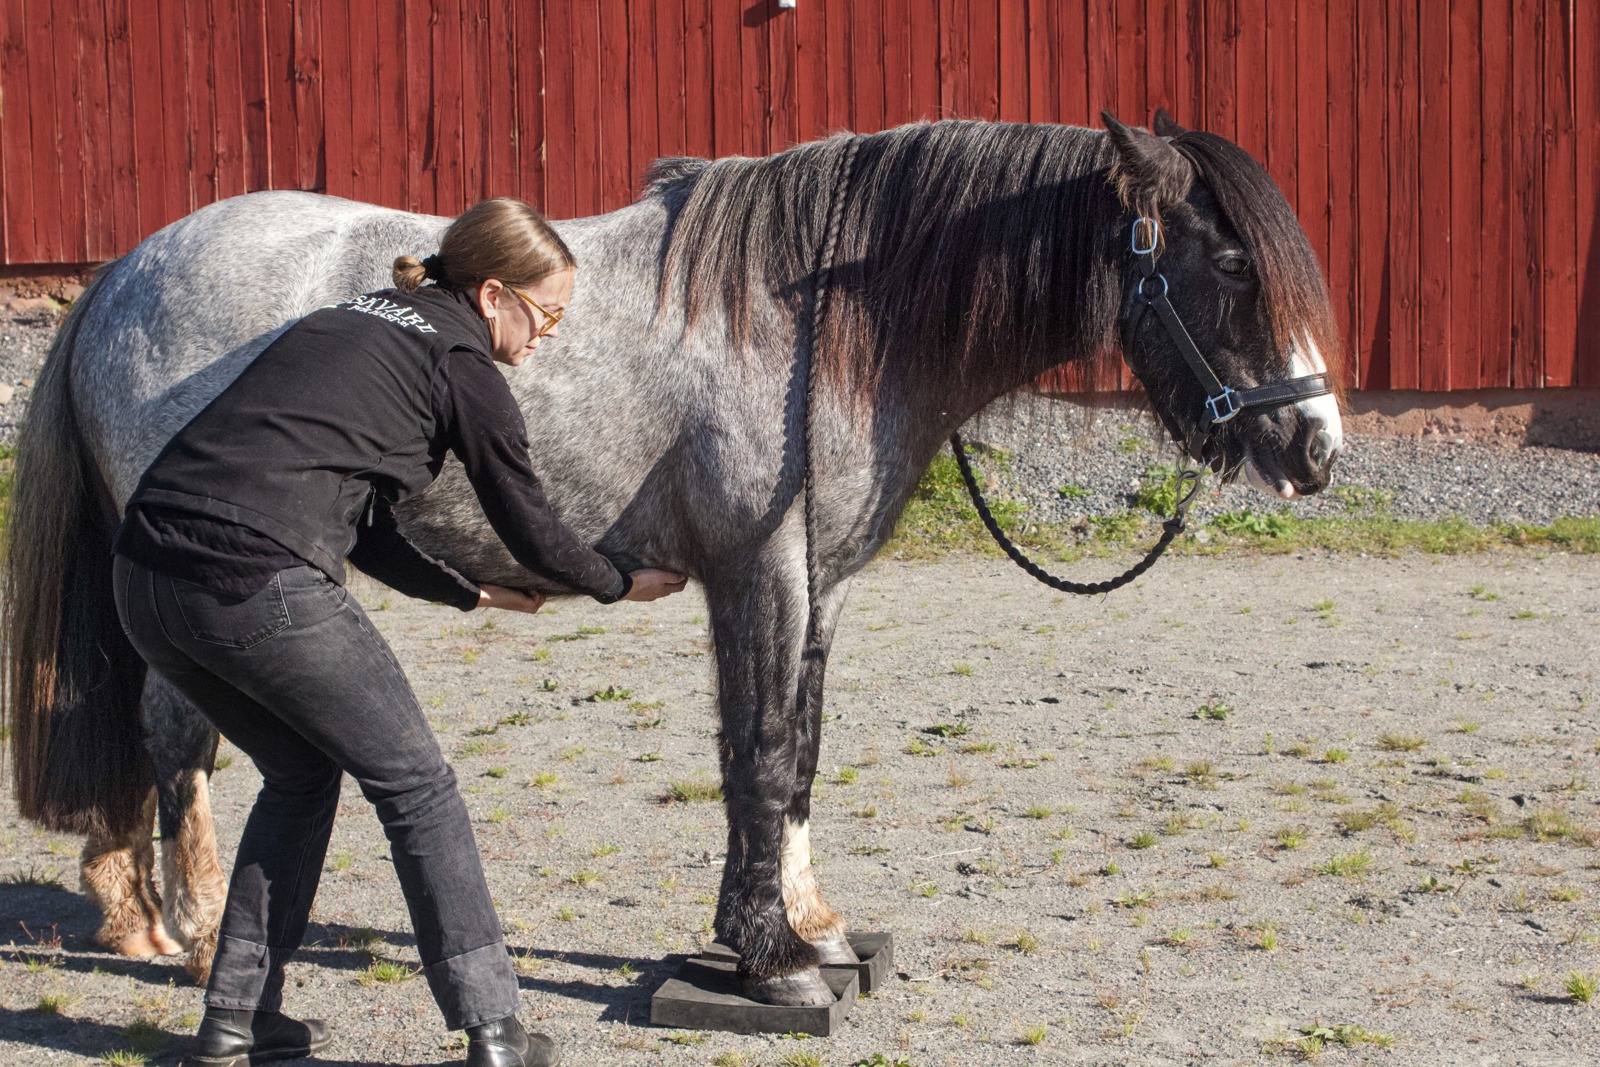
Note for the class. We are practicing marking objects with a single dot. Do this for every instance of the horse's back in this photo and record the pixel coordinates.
(185, 312)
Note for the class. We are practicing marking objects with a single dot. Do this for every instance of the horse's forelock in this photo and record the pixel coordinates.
(1291, 278)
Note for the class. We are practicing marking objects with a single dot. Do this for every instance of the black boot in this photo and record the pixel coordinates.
(504, 1043)
(230, 1038)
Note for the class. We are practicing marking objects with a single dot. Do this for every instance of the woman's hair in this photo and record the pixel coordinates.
(500, 238)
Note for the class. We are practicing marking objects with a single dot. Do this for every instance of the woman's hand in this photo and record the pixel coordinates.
(498, 596)
(652, 584)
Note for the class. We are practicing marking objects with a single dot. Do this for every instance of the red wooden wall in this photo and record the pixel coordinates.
(1441, 153)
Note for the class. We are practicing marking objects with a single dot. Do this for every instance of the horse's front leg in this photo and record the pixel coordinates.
(758, 620)
(808, 913)
(183, 747)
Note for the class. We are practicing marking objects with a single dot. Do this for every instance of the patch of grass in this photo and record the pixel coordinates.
(1582, 987)
(382, 972)
(53, 1003)
(33, 876)
(1291, 837)
(1216, 711)
(1554, 824)
(963, 670)
(946, 729)
(1143, 839)
(1398, 742)
(609, 694)
(1033, 1035)
(124, 1058)
(700, 792)
(1336, 755)
(1346, 864)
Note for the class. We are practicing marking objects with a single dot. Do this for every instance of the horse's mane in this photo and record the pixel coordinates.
(968, 251)
(1292, 289)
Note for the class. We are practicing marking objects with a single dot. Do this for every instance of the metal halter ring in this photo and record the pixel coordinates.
(1162, 278)
(1153, 228)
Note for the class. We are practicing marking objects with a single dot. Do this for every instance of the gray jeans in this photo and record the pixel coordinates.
(297, 677)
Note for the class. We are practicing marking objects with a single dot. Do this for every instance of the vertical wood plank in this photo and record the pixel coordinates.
(1074, 106)
(253, 85)
(644, 136)
(1372, 167)
(897, 63)
(670, 39)
(421, 151)
(1100, 39)
(1281, 99)
(282, 128)
(755, 87)
(727, 105)
(16, 184)
(1159, 45)
(955, 65)
(339, 170)
(387, 171)
(1467, 208)
(1433, 199)
(150, 156)
(199, 35)
(99, 210)
(1403, 208)
(1560, 200)
(586, 92)
(1250, 76)
(811, 71)
(449, 186)
(613, 88)
(1221, 35)
(783, 75)
(68, 99)
(529, 73)
(1343, 205)
(560, 108)
(866, 66)
(1013, 59)
(1495, 257)
(983, 33)
(1527, 189)
(1586, 91)
(39, 29)
(473, 56)
(224, 19)
(1132, 44)
(308, 92)
(123, 176)
(1310, 146)
(375, 105)
(838, 25)
(1044, 48)
(926, 79)
(698, 80)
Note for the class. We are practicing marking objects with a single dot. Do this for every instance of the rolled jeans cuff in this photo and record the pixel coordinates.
(246, 976)
(475, 987)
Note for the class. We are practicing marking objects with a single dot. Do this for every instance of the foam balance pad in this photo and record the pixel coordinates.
(705, 995)
(876, 952)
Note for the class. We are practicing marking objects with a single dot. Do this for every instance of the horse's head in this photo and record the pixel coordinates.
(1214, 253)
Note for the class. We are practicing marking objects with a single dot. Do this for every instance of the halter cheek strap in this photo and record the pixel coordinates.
(1222, 402)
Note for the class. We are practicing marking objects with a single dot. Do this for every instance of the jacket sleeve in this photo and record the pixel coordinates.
(487, 434)
(383, 552)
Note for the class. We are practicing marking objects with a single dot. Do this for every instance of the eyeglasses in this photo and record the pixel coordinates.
(550, 317)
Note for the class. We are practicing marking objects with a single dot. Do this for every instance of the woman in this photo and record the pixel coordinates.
(229, 582)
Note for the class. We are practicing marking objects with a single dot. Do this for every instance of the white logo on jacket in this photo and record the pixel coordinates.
(399, 314)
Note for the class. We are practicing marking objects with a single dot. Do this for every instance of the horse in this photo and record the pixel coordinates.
(751, 338)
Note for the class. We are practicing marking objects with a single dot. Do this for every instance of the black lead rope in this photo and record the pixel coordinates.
(1188, 486)
(1221, 406)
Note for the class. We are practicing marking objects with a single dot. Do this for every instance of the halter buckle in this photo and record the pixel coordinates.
(1152, 229)
(1227, 399)
(1147, 297)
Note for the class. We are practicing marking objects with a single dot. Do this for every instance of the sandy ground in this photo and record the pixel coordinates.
(1389, 824)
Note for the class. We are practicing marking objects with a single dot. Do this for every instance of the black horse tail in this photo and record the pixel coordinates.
(70, 700)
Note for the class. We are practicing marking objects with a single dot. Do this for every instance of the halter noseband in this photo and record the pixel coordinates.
(1222, 402)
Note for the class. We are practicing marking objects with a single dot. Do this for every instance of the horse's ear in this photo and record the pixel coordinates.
(1165, 126)
(1149, 172)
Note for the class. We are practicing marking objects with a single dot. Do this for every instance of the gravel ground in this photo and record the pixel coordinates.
(1386, 820)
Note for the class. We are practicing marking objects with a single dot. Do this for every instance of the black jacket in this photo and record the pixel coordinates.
(348, 413)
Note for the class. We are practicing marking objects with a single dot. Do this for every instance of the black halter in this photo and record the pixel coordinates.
(1223, 403)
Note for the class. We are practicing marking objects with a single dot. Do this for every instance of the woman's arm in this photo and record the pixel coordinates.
(487, 434)
(384, 553)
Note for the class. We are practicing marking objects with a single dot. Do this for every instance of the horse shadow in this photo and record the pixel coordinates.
(83, 1037)
(618, 1004)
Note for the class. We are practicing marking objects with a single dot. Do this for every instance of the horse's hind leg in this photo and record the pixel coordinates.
(809, 914)
(183, 748)
(117, 876)
(758, 622)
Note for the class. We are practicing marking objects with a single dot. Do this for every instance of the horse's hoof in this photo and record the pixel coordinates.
(200, 956)
(164, 945)
(802, 989)
(835, 951)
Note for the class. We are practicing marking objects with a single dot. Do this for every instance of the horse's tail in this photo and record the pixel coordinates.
(71, 679)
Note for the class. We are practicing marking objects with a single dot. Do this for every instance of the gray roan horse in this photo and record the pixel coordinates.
(666, 425)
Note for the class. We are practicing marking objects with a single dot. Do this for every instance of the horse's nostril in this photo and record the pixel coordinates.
(1324, 446)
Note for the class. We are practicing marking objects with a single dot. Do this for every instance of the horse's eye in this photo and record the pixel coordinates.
(1233, 263)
